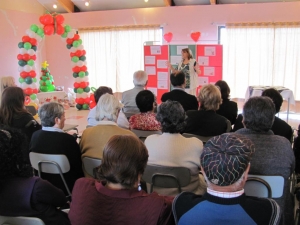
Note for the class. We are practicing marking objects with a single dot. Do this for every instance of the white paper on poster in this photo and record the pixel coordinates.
(202, 81)
(162, 64)
(150, 70)
(176, 59)
(150, 60)
(153, 90)
(155, 50)
(162, 84)
(179, 48)
(162, 75)
(209, 51)
(203, 60)
(209, 71)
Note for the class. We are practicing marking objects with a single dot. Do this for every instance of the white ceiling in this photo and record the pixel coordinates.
(99, 5)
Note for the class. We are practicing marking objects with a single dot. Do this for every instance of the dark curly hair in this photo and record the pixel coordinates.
(144, 100)
(12, 154)
(124, 159)
(275, 96)
(171, 116)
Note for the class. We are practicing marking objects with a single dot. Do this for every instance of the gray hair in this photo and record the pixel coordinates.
(108, 107)
(48, 112)
(140, 78)
(259, 113)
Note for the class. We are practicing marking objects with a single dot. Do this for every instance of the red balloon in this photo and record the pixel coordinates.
(59, 19)
(28, 91)
(78, 53)
(60, 29)
(49, 29)
(35, 91)
(48, 20)
(81, 101)
(32, 74)
(42, 18)
(84, 68)
(83, 52)
(87, 100)
(20, 57)
(195, 36)
(76, 37)
(76, 85)
(33, 57)
(27, 100)
(70, 41)
(23, 74)
(92, 97)
(72, 54)
(168, 37)
(82, 85)
(92, 105)
(76, 69)
(25, 39)
(26, 57)
(33, 41)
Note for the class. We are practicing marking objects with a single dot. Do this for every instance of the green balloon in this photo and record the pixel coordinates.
(75, 90)
(34, 28)
(48, 82)
(80, 41)
(28, 80)
(34, 47)
(44, 88)
(78, 106)
(51, 88)
(64, 35)
(69, 46)
(22, 62)
(34, 80)
(33, 96)
(75, 75)
(81, 74)
(27, 45)
(85, 106)
(67, 28)
(86, 73)
(21, 80)
(44, 78)
(75, 59)
(40, 32)
(82, 58)
(21, 45)
(87, 90)
(79, 90)
(30, 62)
(76, 43)
(51, 77)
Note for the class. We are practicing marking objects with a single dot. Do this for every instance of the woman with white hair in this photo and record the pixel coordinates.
(94, 138)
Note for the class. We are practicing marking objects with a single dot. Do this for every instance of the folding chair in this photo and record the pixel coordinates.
(48, 163)
(89, 164)
(167, 177)
(201, 138)
(264, 186)
(20, 220)
(143, 134)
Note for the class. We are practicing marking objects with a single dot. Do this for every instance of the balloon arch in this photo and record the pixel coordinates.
(53, 24)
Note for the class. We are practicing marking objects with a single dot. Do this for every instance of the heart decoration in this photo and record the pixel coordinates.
(195, 36)
(168, 37)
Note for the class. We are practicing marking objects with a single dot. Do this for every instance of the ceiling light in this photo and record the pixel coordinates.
(87, 3)
(146, 0)
(54, 6)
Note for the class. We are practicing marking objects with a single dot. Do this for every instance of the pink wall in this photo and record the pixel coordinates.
(178, 20)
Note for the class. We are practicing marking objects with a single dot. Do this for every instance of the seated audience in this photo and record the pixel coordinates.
(172, 149)
(20, 193)
(274, 154)
(206, 122)
(118, 198)
(279, 127)
(188, 102)
(145, 101)
(91, 119)
(228, 108)
(53, 140)
(225, 201)
(94, 138)
(140, 79)
(14, 114)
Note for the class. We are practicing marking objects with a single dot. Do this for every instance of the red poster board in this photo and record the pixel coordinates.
(155, 57)
(210, 59)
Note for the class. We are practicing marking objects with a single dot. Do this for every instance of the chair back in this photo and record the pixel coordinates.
(167, 177)
(53, 164)
(201, 138)
(143, 134)
(264, 186)
(20, 220)
(89, 164)
(31, 109)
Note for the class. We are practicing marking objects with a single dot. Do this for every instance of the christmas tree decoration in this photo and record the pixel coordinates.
(46, 79)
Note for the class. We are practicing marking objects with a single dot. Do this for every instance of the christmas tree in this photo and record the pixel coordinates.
(46, 80)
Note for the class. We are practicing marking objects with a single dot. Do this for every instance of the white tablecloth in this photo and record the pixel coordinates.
(286, 93)
(55, 96)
